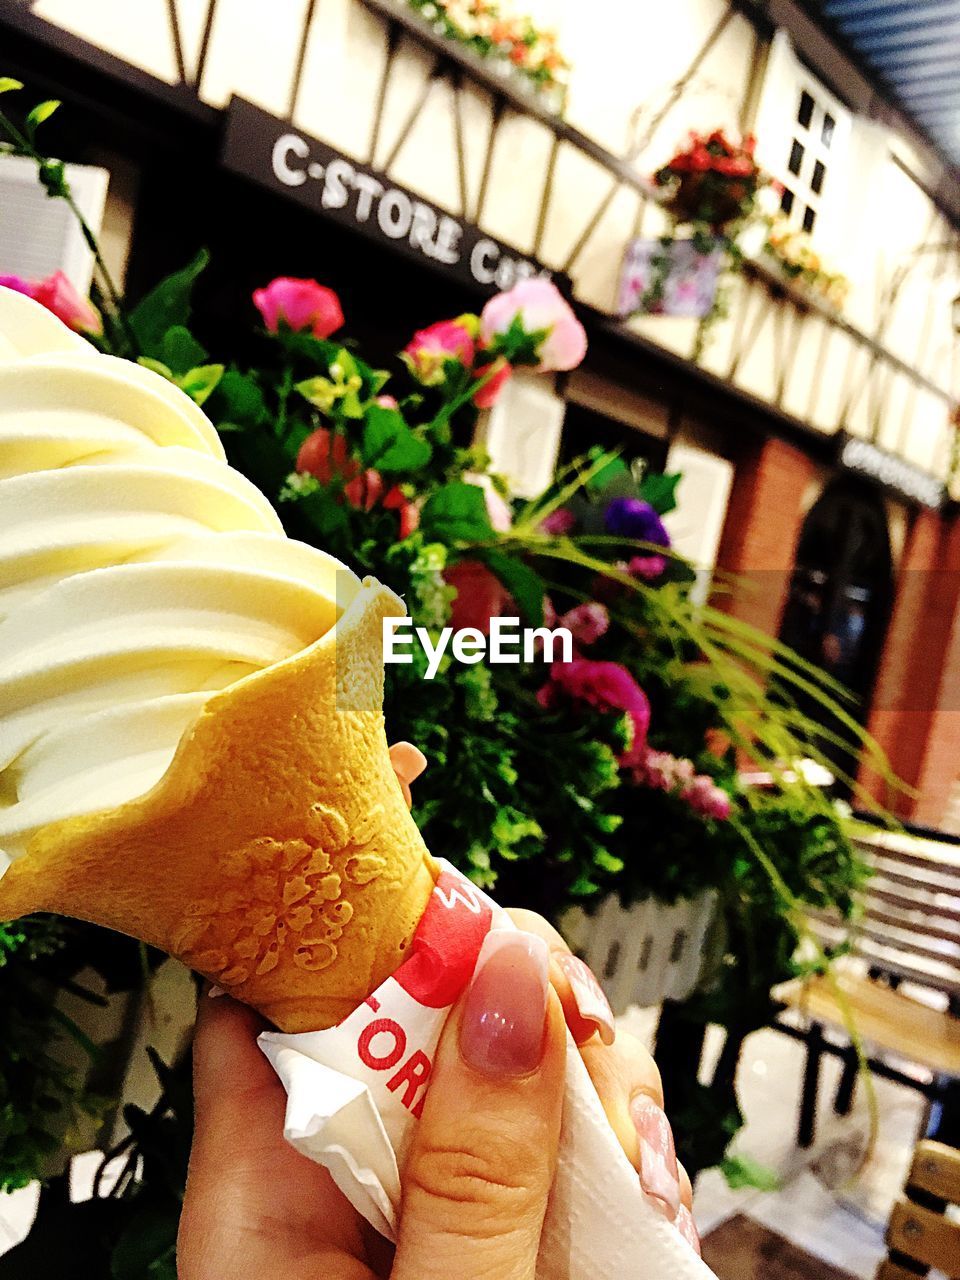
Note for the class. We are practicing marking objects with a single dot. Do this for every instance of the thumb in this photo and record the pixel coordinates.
(479, 1173)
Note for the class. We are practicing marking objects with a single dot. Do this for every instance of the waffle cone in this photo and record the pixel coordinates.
(276, 856)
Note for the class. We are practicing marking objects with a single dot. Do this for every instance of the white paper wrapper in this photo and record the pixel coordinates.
(355, 1093)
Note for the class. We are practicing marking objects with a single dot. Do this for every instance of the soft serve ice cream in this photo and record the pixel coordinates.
(139, 573)
(192, 747)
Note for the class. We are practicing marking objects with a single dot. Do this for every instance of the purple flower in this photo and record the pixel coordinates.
(634, 518)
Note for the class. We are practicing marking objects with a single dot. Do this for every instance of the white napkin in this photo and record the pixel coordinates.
(355, 1092)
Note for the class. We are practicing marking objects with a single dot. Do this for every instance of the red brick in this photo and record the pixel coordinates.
(761, 530)
(916, 703)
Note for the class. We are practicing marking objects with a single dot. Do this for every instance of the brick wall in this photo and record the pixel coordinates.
(916, 705)
(761, 530)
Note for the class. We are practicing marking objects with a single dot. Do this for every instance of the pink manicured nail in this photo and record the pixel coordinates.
(659, 1173)
(501, 1030)
(592, 1004)
(687, 1227)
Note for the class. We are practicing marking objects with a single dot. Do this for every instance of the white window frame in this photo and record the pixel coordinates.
(779, 132)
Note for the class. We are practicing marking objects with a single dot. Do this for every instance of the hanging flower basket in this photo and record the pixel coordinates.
(647, 953)
(670, 277)
(713, 181)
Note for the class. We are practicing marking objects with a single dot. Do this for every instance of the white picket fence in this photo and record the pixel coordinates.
(646, 954)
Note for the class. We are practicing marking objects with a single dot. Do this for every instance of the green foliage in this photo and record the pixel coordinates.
(389, 445)
(166, 307)
(456, 514)
(660, 491)
(741, 1172)
(43, 1101)
(525, 585)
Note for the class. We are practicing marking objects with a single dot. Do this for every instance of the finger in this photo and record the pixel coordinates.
(479, 1174)
(686, 1188)
(627, 1081)
(585, 1007)
(251, 1199)
(408, 763)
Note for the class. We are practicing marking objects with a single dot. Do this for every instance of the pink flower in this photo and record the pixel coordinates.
(649, 568)
(500, 374)
(587, 622)
(58, 295)
(559, 522)
(538, 305)
(387, 402)
(608, 686)
(706, 798)
(18, 285)
(427, 352)
(300, 304)
(665, 772)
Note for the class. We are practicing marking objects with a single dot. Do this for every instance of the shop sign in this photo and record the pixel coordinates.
(891, 471)
(276, 155)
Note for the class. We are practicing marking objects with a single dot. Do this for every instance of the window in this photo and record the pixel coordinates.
(803, 133)
(808, 158)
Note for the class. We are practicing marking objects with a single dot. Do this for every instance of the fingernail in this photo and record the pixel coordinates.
(408, 764)
(687, 1227)
(408, 761)
(592, 1005)
(659, 1173)
(501, 1030)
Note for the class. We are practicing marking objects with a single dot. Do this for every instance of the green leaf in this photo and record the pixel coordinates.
(146, 1246)
(181, 351)
(239, 401)
(456, 513)
(390, 445)
(9, 85)
(524, 584)
(613, 469)
(200, 382)
(660, 491)
(157, 366)
(42, 111)
(326, 515)
(166, 305)
(741, 1171)
(53, 176)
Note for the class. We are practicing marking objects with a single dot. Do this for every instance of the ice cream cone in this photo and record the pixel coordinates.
(276, 855)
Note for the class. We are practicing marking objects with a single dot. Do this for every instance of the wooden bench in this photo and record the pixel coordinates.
(907, 936)
(920, 1235)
